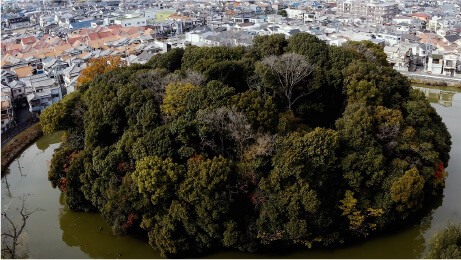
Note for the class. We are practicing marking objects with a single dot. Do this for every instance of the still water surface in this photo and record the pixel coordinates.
(57, 232)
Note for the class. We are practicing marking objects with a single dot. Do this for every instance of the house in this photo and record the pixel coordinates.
(127, 22)
(435, 63)
(24, 72)
(402, 28)
(40, 82)
(337, 42)
(450, 62)
(434, 24)
(142, 58)
(54, 67)
(295, 14)
(70, 76)
(400, 57)
(28, 40)
(7, 111)
(40, 100)
(18, 89)
(390, 38)
(453, 39)
(275, 19)
(81, 24)
(8, 76)
(403, 19)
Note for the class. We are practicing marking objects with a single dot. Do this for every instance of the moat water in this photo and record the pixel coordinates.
(58, 232)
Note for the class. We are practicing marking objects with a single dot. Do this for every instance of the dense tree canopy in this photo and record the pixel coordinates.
(446, 244)
(216, 147)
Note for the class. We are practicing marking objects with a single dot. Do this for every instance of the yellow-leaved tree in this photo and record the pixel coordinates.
(98, 66)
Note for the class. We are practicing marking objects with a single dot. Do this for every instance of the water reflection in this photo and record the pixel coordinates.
(90, 233)
(405, 242)
(444, 98)
(44, 142)
(61, 233)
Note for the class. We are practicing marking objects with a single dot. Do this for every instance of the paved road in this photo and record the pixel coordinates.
(22, 114)
(422, 75)
(24, 120)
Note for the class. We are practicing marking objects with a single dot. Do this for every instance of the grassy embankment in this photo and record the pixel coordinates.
(431, 83)
(19, 143)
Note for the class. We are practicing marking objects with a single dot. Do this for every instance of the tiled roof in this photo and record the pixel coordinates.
(62, 47)
(104, 34)
(74, 39)
(93, 36)
(23, 71)
(28, 40)
(14, 47)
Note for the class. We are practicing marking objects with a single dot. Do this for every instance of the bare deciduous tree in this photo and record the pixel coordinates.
(12, 230)
(194, 77)
(224, 123)
(153, 80)
(290, 69)
(189, 76)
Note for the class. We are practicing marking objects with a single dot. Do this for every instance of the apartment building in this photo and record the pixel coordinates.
(372, 12)
(18, 22)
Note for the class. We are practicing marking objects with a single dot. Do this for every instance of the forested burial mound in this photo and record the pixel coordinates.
(290, 143)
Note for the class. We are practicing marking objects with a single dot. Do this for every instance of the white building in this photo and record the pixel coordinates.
(450, 63)
(126, 22)
(295, 14)
(435, 63)
(389, 38)
(373, 12)
(38, 101)
(70, 76)
(275, 18)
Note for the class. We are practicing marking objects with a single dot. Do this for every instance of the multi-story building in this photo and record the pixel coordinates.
(7, 111)
(295, 13)
(435, 64)
(450, 60)
(18, 22)
(38, 101)
(372, 12)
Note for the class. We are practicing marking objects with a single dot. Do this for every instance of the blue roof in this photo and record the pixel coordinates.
(295, 4)
(81, 25)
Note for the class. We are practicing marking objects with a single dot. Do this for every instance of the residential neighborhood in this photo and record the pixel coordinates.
(46, 44)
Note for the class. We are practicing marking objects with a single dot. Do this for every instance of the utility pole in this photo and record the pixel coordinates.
(427, 50)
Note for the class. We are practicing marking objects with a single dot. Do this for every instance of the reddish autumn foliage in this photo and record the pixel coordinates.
(257, 199)
(70, 158)
(124, 167)
(130, 220)
(439, 171)
(63, 184)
